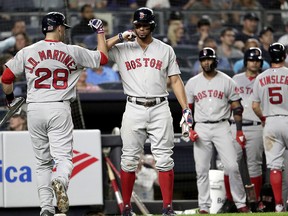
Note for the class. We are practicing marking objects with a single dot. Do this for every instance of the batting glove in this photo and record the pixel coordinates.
(186, 117)
(96, 25)
(193, 135)
(240, 138)
(128, 35)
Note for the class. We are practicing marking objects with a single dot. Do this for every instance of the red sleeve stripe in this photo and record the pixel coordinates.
(104, 59)
(8, 77)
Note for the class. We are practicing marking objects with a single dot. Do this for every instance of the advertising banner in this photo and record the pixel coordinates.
(18, 187)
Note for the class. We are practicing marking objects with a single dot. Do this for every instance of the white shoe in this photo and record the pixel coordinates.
(279, 208)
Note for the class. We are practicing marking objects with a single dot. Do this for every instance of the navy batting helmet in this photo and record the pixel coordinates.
(277, 52)
(253, 53)
(51, 20)
(208, 53)
(144, 15)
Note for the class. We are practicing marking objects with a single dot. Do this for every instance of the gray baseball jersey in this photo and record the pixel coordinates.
(141, 69)
(50, 66)
(271, 89)
(211, 97)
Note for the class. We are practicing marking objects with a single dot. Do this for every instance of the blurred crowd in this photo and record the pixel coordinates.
(228, 26)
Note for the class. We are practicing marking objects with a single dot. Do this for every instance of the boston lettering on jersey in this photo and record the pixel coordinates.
(146, 62)
(244, 90)
(208, 93)
(57, 55)
(273, 79)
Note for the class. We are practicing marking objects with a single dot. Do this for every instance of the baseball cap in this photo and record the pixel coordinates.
(176, 15)
(265, 29)
(251, 16)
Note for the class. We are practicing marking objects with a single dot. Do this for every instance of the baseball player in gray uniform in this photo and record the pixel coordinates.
(270, 104)
(213, 95)
(144, 65)
(251, 124)
(52, 70)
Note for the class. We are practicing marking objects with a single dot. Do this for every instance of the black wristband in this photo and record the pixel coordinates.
(10, 97)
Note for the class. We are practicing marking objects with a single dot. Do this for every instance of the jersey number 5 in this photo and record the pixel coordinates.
(59, 78)
(275, 96)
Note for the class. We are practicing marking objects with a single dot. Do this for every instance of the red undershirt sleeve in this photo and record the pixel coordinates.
(8, 77)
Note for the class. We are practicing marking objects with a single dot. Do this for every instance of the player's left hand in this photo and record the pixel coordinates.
(240, 138)
(128, 35)
(96, 25)
(186, 117)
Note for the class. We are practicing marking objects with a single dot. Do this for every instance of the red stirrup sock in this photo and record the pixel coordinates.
(257, 181)
(166, 181)
(276, 183)
(127, 184)
(227, 188)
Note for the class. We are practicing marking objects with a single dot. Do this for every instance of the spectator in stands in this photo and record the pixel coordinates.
(266, 38)
(244, 5)
(22, 40)
(239, 65)
(19, 26)
(249, 30)
(223, 63)
(146, 178)
(82, 28)
(203, 32)
(175, 35)
(18, 122)
(83, 86)
(226, 48)
(103, 74)
(159, 4)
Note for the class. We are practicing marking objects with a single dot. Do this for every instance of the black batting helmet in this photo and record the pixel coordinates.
(208, 53)
(51, 20)
(144, 15)
(253, 53)
(277, 52)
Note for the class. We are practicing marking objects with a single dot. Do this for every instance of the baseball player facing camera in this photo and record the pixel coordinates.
(52, 70)
(213, 95)
(144, 65)
(270, 104)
